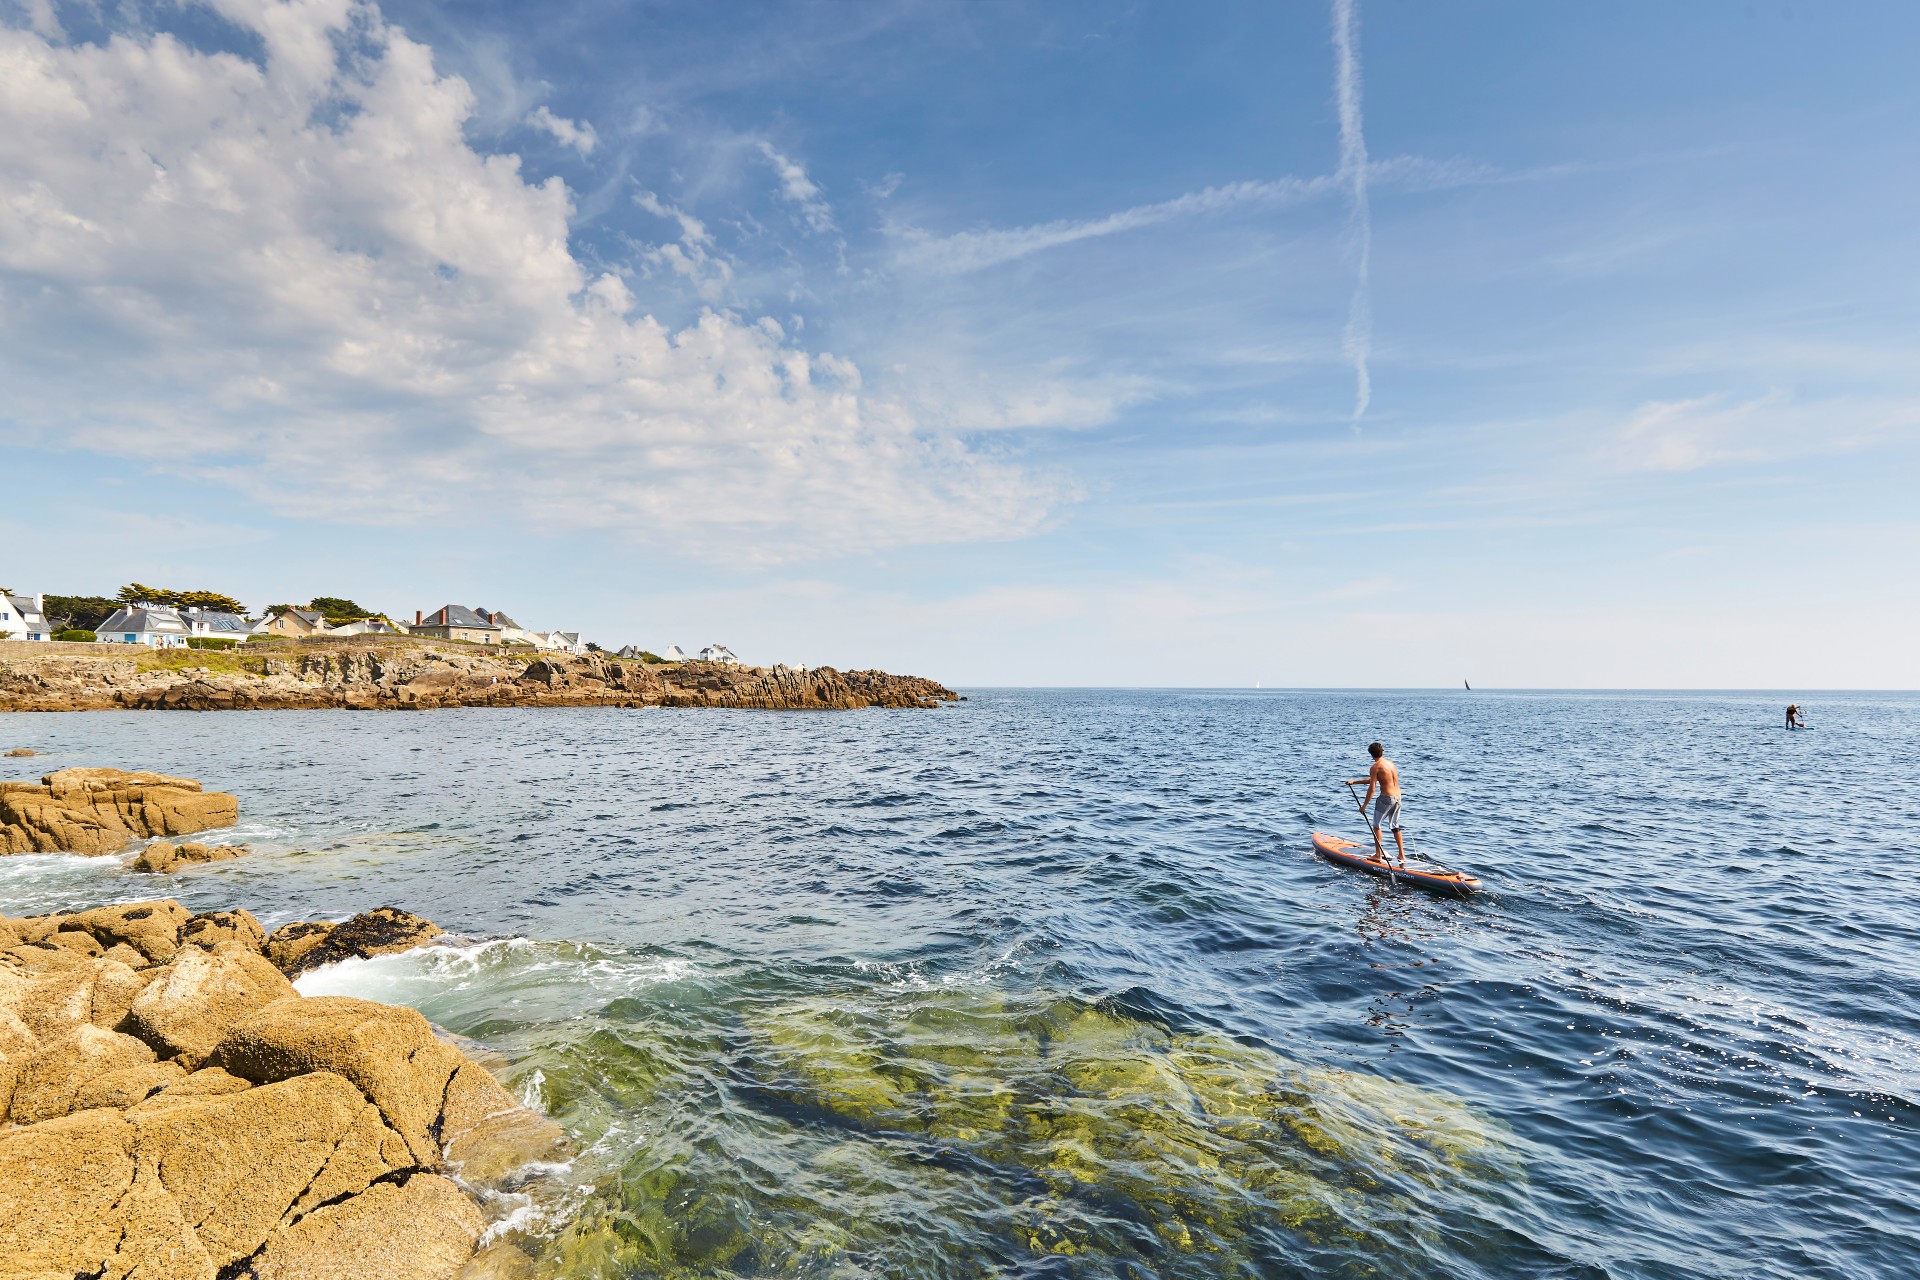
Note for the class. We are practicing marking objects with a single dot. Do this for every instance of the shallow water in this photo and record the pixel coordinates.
(1048, 984)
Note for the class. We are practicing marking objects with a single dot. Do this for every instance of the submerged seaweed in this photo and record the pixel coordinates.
(955, 1134)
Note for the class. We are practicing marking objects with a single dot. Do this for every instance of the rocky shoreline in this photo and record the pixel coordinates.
(172, 1108)
(410, 674)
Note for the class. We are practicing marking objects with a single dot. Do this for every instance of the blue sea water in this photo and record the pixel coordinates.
(1048, 983)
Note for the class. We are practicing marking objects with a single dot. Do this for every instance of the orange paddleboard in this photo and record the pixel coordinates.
(1350, 853)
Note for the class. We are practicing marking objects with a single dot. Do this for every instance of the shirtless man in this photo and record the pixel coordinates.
(1386, 810)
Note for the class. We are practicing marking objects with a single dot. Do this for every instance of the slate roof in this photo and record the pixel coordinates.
(218, 621)
(457, 615)
(155, 620)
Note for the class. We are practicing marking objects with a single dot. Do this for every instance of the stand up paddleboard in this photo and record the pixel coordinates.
(1351, 853)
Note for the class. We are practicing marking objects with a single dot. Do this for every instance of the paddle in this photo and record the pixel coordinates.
(1381, 852)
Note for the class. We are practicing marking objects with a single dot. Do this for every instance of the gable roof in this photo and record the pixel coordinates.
(457, 615)
(218, 620)
(155, 619)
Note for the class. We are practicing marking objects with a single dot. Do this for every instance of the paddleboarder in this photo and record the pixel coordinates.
(1794, 719)
(1386, 808)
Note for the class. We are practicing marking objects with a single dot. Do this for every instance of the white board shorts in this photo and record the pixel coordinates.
(1386, 813)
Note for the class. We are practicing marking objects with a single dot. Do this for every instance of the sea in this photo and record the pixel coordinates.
(1049, 983)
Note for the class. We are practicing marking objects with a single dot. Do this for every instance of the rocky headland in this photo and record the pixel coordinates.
(172, 1108)
(411, 674)
(175, 1110)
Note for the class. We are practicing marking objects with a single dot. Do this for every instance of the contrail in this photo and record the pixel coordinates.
(1357, 343)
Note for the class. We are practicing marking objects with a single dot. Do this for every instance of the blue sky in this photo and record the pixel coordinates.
(1004, 343)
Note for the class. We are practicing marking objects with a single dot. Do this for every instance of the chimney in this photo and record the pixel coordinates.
(417, 619)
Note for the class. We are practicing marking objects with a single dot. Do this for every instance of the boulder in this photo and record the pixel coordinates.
(97, 811)
(382, 931)
(487, 1134)
(126, 955)
(53, 991)
(207, 1082)
(422, 1229)
(115, 987)
(212, 928)
(238, 1165)
(127, 1086)
(77, 941)
(17, 1044)
(193, 1002)
(20, 751)
(390, 1053)
(63, 1190)
(49, 1080)
(161, 857)
(287, 944)
(151, 928)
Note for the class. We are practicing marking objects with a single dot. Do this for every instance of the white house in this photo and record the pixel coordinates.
(23, 617)
(674, 653)
(719, 653)
(151, 625)
(216, 624)
(365, 627)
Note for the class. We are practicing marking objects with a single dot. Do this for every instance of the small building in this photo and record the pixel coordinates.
(216, 624)
(457, 622)
(296, 624)
(365, 627)
(151, 625)
(631, 652)
(674, 653)
(719, 653)
(24, 617)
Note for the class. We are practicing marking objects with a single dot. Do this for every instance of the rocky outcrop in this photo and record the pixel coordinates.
(382, 931)
(160, 857)
(376, 673)
(190, 1116)
(104, 810)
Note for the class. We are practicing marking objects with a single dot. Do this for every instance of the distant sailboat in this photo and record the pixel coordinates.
(1469, 687)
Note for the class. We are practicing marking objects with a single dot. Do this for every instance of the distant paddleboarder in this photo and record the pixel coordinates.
(1794, 719)
(1386, 808)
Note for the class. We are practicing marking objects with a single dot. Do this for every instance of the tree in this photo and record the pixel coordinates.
(83, 613)
(141, 593)
(210, 600)
(338, 609)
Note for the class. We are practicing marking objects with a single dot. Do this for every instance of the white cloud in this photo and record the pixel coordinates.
(694, 256)
(1686, 435)
(799, 190)
(577, 134)
(297, 276)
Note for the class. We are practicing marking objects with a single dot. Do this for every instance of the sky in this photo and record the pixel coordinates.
(1362, 343)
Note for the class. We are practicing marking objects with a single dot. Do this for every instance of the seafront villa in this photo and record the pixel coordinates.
(718, 653)
(293, 623)
(23, 617)
(156, 626)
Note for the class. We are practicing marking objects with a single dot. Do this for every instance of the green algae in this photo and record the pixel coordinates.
(956, 1134)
